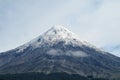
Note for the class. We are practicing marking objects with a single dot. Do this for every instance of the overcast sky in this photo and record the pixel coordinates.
(96, 21)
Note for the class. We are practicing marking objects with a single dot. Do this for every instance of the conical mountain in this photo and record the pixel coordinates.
(60, 50)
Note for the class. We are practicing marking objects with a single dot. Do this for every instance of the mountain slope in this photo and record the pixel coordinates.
(60, 50)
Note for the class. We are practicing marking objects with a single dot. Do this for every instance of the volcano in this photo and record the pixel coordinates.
(60, 50)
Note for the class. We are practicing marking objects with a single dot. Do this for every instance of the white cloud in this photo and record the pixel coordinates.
(77, 53)
(54, 52)
(57, 52)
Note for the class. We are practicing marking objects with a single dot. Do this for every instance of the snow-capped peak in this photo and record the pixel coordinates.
(56, 34)
(59, 32)
(53, 36)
